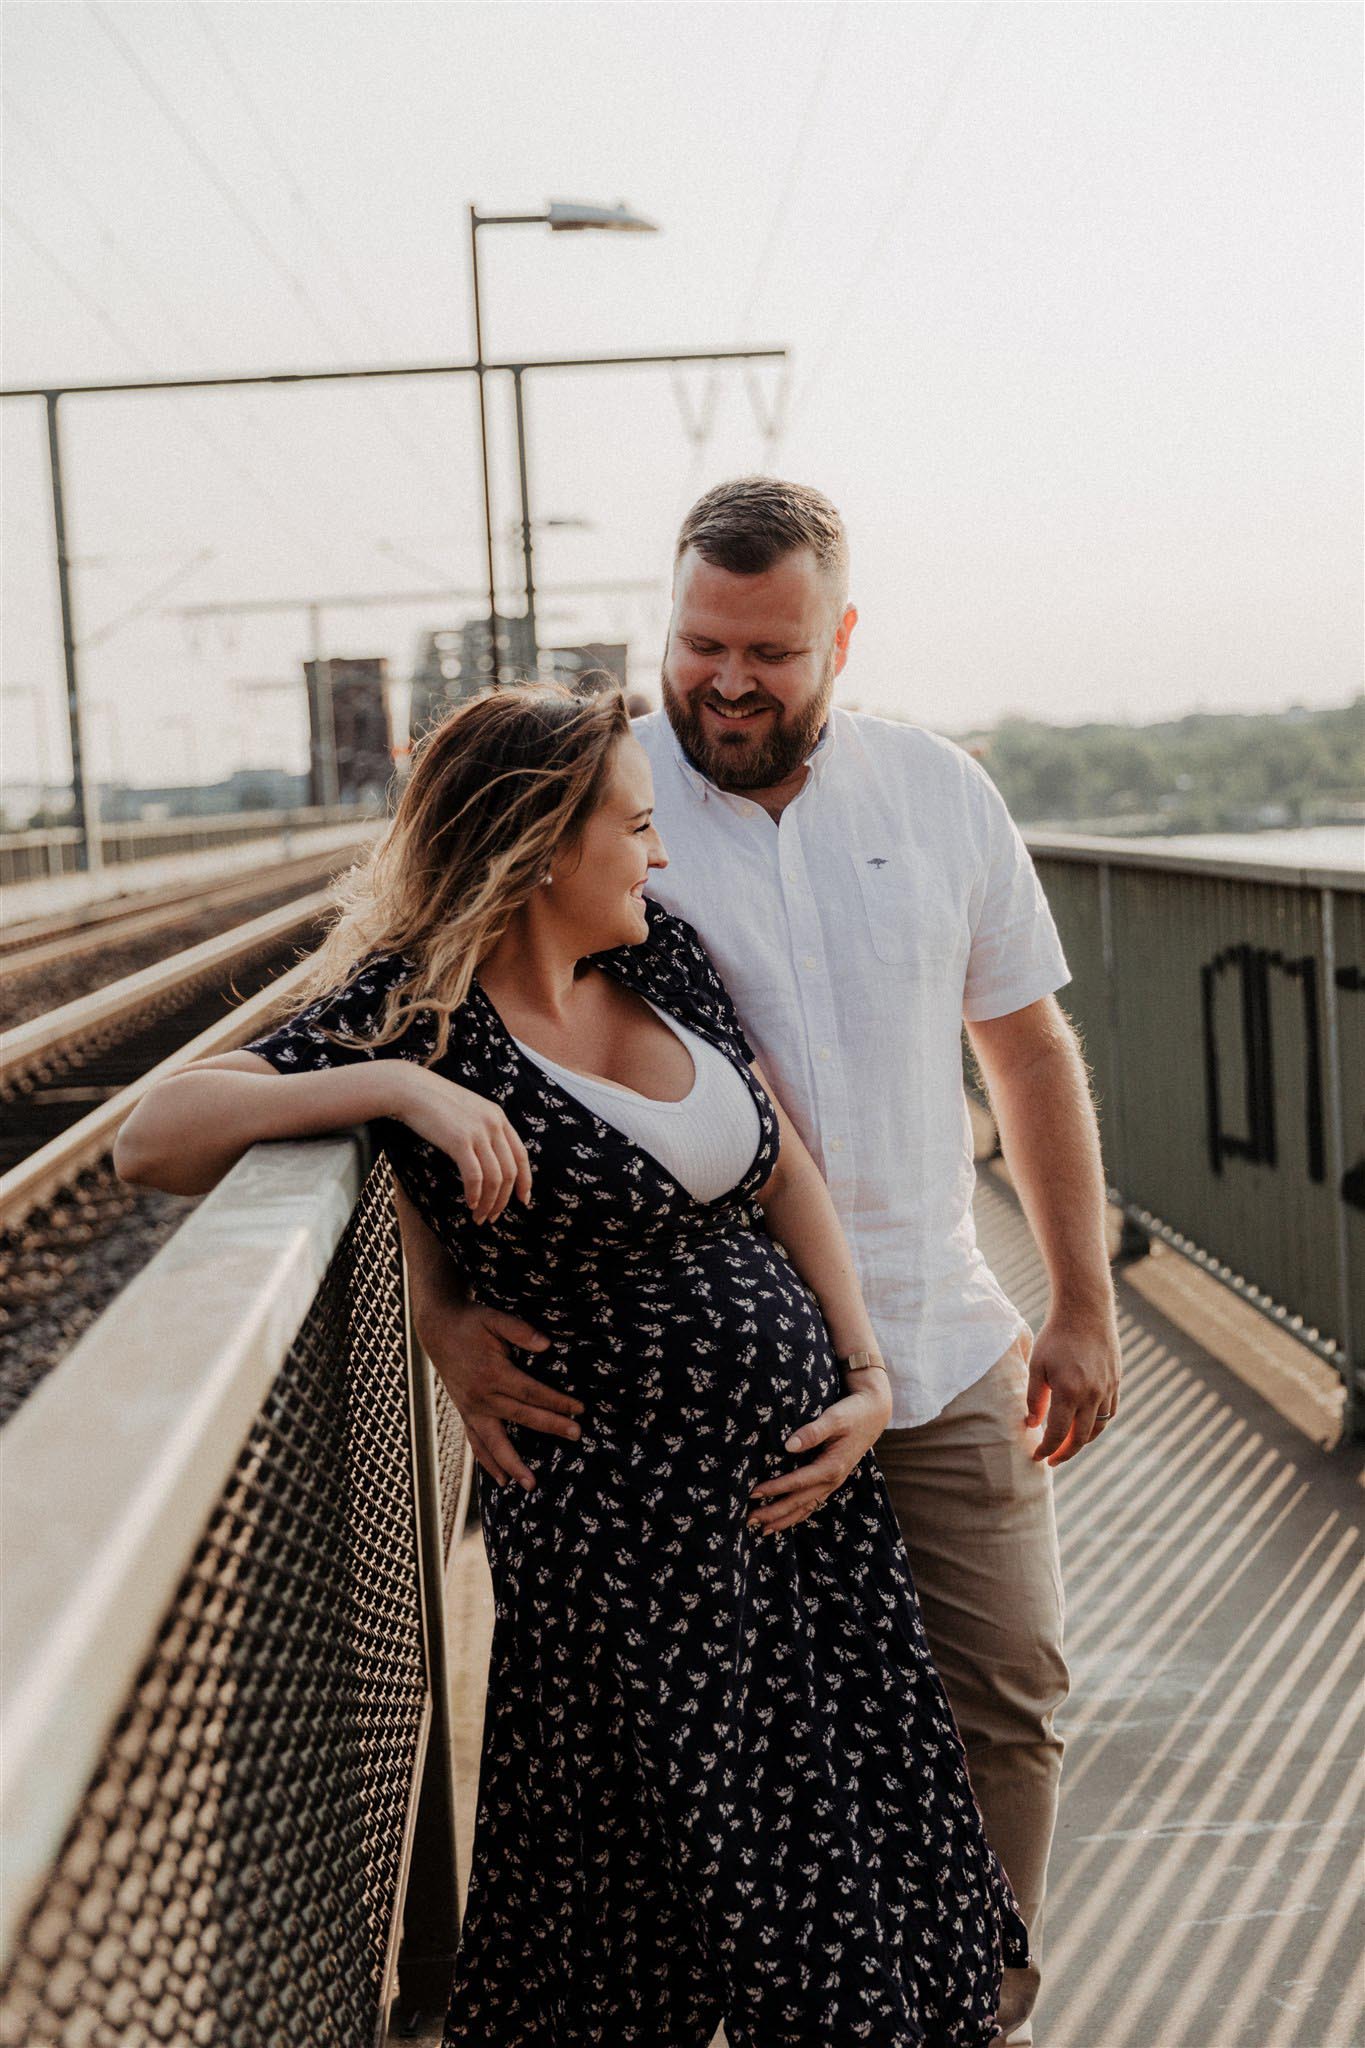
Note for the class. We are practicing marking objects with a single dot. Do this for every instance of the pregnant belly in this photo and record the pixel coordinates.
(693, 1370)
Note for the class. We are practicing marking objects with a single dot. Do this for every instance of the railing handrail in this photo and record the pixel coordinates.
(112, 1466)
(1143, 853)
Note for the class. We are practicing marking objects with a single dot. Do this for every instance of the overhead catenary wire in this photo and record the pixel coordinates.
(355, 292)
(699, 424)
(778, 218)
(877, 247)
(240, 211)
(166, 309)
(699, 417)
(221, 449)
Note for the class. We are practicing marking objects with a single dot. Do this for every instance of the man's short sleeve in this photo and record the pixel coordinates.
(1016, 955)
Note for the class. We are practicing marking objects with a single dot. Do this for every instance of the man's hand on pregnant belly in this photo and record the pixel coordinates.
(848, 1429)
(470, 1347)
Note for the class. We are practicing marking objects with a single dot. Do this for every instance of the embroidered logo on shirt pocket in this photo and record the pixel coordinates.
(906, 920)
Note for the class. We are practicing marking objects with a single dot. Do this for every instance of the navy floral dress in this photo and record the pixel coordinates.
(720, 1778)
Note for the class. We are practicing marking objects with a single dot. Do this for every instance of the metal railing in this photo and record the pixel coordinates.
(1222, 1008)
(227, 1755)
(41, 855)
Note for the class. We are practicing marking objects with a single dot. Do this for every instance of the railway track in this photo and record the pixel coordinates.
(54, 960)
(71, 1233)
(87, 1055)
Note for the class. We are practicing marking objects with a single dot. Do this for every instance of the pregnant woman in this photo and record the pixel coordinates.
(720, 1778)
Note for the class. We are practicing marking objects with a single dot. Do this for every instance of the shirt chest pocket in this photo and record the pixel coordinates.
(908, 911)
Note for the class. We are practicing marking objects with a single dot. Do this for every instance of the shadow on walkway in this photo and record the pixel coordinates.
(1205, 1888)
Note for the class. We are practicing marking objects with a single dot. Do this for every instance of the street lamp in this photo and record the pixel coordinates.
(562, 217)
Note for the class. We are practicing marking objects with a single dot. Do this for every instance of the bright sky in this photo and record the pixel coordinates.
(1072, 295)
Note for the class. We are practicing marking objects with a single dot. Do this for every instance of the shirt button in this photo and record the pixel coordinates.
(824, 1052)
(836, 1144)
(791, 874)
(809, 960)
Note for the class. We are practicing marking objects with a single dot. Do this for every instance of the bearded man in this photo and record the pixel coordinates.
(864, 894)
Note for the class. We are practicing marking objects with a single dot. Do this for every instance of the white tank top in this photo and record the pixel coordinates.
(707, 1140)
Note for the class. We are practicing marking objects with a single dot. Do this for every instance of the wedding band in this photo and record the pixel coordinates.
(1104, 1415)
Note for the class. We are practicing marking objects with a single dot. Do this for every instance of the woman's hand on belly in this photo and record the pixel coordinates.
(847, 1429)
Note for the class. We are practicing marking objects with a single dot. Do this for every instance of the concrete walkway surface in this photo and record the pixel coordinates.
(1206, 1876)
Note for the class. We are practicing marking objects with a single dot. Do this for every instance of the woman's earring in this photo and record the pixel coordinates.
(547, 878)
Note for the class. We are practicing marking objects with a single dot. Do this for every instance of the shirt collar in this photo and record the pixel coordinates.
(817, 760)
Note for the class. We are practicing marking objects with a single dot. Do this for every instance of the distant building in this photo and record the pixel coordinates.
(456, 662)
(360, 729)
(264, 789)
(567, 664)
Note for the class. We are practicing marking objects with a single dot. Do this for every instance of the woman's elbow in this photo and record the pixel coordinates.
(135, 1162)
(145, 1158)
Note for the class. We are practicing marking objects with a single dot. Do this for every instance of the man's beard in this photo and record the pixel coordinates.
(741, 763)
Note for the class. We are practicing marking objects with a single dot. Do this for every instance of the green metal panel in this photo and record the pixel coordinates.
(1225, 1028)
(1348, 919)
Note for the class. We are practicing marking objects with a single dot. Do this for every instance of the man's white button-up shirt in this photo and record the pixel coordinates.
(891, 899)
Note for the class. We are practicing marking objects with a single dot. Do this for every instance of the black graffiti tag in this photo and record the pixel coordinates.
(1258, 1140)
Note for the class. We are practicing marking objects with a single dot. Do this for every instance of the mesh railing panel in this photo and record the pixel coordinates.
(230, 1875)
(450, 1448)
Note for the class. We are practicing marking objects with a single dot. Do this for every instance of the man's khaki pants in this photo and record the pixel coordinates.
(978, 1521)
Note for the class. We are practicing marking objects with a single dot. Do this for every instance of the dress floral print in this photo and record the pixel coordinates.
(720, 1778)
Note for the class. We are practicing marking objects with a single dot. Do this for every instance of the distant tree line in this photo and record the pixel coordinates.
(1209, 772)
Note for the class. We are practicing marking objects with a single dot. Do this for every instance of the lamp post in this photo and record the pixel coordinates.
(562, 218)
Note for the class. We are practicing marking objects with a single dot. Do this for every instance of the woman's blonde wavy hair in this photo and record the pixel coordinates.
(502, 786)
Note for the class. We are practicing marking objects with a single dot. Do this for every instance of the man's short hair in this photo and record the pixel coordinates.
(748, 525)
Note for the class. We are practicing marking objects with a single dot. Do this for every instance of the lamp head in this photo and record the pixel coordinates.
(564, 214)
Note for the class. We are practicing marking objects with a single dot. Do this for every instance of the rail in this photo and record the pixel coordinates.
(45, 1041)
(1222, 1008)
(129, 920)
(227, 1520)
(90, 1139)
(55, 850)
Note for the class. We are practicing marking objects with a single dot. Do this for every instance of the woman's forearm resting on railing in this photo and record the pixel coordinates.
(187, 1131)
